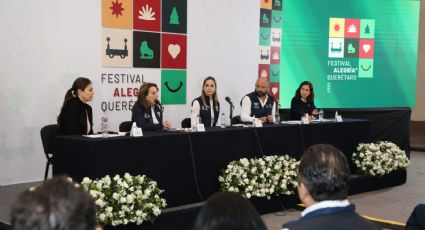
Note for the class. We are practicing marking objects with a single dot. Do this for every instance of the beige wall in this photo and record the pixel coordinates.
(418, 113)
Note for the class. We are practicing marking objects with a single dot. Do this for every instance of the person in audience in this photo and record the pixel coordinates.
(76, 117)
(57, 204)
(416, 220)
(147, 112)
(323, 177)
(258, 104)
(228, 210)
(302, 104)
(207, 105)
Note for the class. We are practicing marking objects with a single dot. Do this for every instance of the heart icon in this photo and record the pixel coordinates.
(366, 48)
(174, 50)
(274, 90)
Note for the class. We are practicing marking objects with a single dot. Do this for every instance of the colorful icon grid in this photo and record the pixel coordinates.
(148, 34)
(352, 39)
(270, 43)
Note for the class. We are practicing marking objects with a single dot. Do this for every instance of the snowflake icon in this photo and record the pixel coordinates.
(146, 13)
(352, 29)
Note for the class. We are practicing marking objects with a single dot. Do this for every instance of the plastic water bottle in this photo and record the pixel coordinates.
(222, 121)
(276, 118)
(104, 126)
(198, 119)
(321, 115)
(193, 118)
(336, 115)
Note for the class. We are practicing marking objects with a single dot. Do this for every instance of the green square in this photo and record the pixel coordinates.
(277, 19)
(274, 73)
(365, 68)
(173, 87)
(367, 28)
(264, 36)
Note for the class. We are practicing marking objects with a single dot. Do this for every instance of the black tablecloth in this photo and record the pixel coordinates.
(186, 165)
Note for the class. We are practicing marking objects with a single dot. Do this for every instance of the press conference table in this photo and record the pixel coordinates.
(187, 165)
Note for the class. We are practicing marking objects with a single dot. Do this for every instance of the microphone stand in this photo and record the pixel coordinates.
(231, 114)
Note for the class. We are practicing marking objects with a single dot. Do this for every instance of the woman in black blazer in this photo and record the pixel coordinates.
(302, 103)
(76, 117)
(147, 111)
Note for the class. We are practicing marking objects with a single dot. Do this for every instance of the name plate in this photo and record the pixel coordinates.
(200, 127)
(338, 118)
(136, 132)
(305, 120)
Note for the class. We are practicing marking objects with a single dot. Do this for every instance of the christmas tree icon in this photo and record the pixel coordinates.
(174, 17)
(367, 30)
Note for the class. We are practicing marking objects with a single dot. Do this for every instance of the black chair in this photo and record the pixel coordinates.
(48, 134)
(186, 123)
(125, 126)
(236, 120)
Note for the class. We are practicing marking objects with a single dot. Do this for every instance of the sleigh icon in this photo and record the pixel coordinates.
(116, 52)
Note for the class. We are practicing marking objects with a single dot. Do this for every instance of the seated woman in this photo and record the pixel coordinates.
(76, 115)
(147, 111)
(302, 103)
(207, 105)
(228, 210)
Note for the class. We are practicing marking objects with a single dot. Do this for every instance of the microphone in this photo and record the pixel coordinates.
(159, 104)
(229, 101)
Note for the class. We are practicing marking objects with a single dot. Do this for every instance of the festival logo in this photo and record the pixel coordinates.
(174, 16)
(350, 49)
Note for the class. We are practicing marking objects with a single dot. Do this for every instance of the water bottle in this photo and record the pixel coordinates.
(104, 126)
(336, 115)
(276, 118)
(222, 121)
(321, 115)
(193, 120)
(198, 119)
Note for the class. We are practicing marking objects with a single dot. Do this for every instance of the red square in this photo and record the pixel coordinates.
(147, 15)
(173, 51)
(366, 48)
(275, 55)
(352, 28)
(275, 90)
(264, 71)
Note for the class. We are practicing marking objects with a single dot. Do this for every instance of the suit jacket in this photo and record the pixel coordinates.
(73, 118)
(144, 118)
(340, 218)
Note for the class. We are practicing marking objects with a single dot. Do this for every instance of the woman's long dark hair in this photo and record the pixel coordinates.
(204, 96)
(79, 84)
(143, 93)
(310, 98)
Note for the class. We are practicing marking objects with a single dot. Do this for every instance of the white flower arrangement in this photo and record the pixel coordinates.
(123, 200)
(380, 158)
(261, 177)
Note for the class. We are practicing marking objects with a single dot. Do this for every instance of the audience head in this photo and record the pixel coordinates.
(261, 86)
(209, 89)
(148, 94)
(57, 204)
(228, 210)
(323, 174)
(305, 90)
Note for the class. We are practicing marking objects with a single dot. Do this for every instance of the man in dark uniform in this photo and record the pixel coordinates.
(323, 176)
(258, 104)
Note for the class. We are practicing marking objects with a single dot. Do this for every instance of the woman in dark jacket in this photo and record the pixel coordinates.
(76, 117)
(147, 111)
(302, 103)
